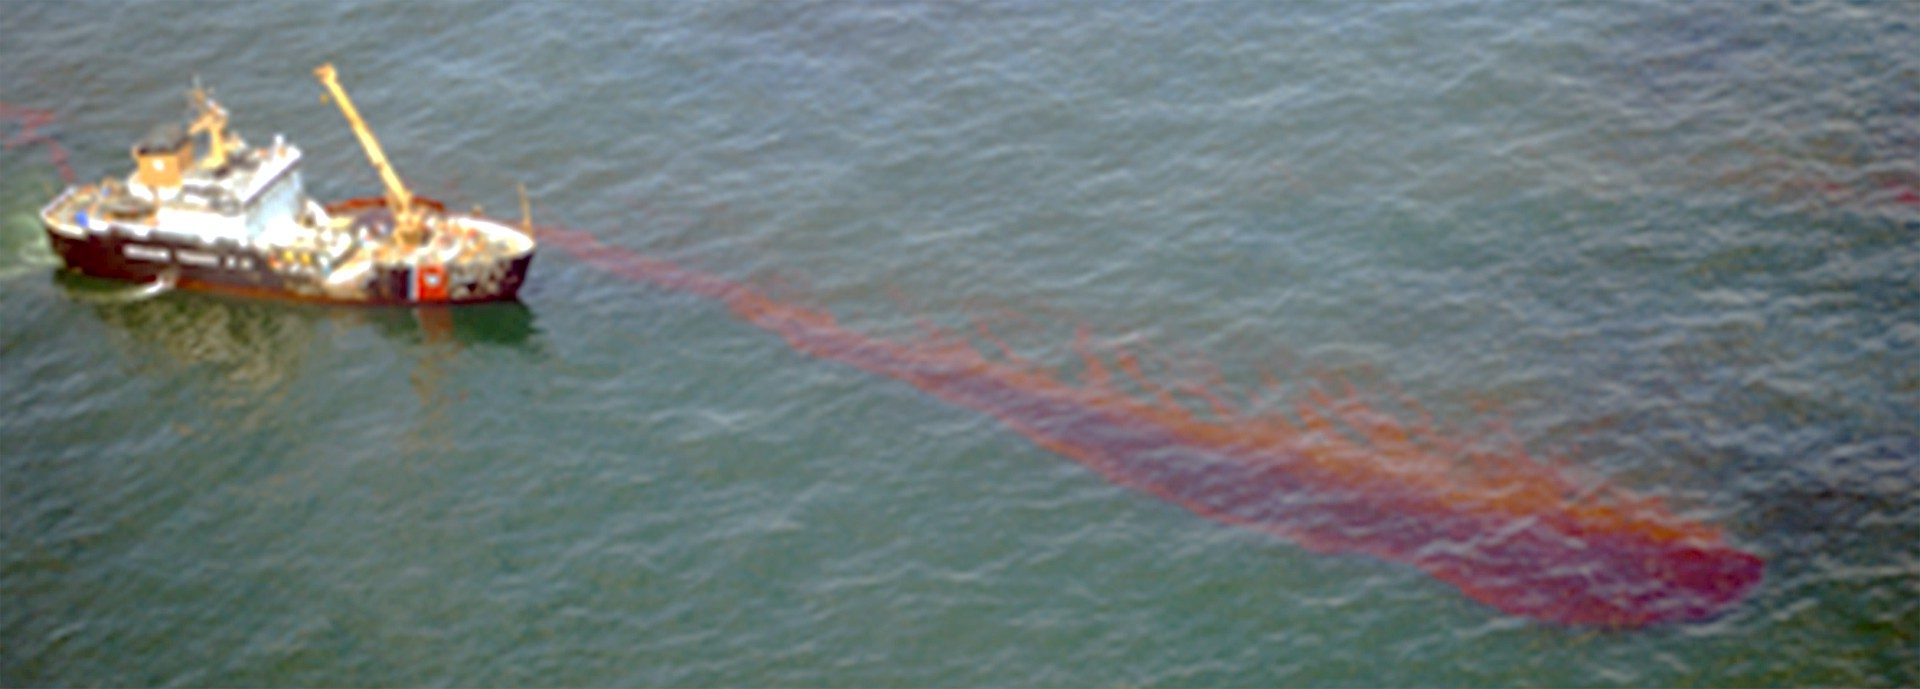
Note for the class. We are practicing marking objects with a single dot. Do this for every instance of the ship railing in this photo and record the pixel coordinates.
(58, 213)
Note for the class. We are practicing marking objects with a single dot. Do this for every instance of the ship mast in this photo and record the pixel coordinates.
(213, 121)
(406, 218)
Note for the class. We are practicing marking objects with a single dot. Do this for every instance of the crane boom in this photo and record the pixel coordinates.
(399, 199)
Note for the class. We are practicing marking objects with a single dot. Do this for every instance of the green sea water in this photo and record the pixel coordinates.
(1676, 244)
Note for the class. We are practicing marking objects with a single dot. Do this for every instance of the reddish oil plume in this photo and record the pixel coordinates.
(1837, 179)
(1335, 475)
(29, 121)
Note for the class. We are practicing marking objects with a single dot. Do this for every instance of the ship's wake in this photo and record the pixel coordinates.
(31, 257)
(159, 285)
(1337, 474)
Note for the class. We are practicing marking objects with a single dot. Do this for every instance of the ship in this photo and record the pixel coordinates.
(235, 218)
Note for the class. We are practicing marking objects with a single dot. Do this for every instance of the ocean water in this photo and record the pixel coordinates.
(1677, 245)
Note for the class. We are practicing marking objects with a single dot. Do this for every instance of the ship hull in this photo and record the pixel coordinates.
(239, 270)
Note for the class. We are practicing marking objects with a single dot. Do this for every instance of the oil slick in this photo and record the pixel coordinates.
(29, 121)
(1336, 475)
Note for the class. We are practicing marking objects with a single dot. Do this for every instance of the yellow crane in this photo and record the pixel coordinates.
(406, 218)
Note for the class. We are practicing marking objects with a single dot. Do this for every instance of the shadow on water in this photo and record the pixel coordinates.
(258, 358)
(503, 324)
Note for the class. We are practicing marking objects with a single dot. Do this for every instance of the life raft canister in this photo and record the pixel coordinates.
(430, 282)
